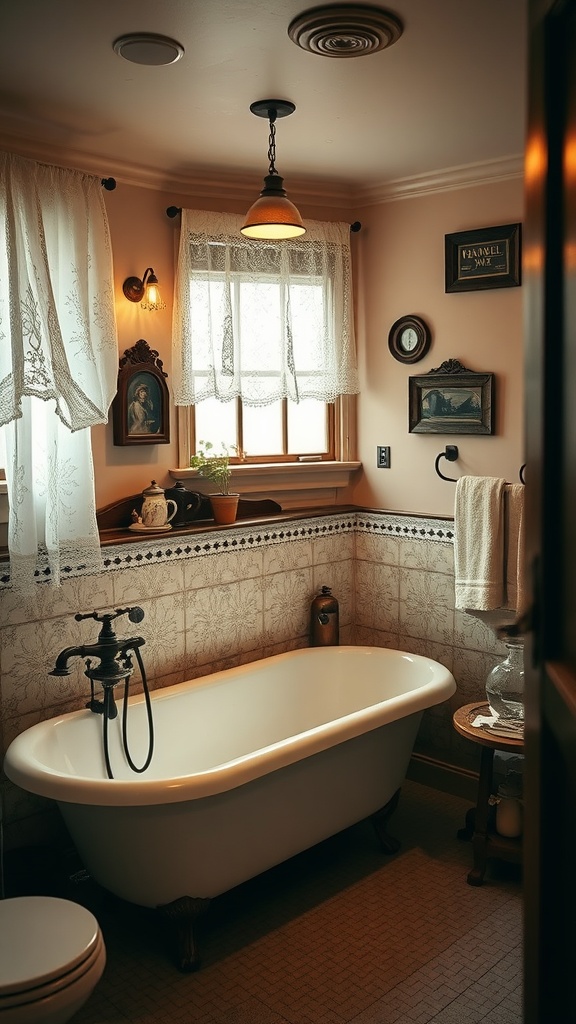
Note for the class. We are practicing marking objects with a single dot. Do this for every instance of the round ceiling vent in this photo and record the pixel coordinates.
(343, 30)
(148, 48)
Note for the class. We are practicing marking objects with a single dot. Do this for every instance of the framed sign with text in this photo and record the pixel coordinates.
(484, 258)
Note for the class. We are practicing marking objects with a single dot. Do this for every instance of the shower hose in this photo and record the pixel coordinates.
(125, 744)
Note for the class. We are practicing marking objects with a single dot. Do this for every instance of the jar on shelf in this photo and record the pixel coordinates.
(505, 684)
(508, 808)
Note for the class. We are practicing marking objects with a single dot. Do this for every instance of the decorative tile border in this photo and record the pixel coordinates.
(172, 548)
(405, 526)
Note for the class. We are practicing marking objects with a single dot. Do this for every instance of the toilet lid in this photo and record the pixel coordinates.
(85, 974)
(42, 937)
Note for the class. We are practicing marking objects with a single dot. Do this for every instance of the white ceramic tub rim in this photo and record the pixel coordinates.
(24, 767)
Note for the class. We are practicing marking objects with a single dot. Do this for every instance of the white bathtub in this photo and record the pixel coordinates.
(251, 766)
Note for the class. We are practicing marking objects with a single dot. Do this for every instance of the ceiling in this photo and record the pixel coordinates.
(448, 94)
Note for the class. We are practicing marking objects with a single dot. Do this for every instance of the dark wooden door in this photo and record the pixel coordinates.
(549, 260)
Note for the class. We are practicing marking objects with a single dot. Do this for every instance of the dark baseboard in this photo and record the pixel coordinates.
(447, 778)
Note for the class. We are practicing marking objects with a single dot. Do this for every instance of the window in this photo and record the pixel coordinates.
(263, 337)
(281, 432)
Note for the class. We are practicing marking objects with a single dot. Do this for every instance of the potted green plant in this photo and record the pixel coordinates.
(214, 464)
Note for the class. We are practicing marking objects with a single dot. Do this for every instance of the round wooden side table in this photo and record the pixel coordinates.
(486, 842)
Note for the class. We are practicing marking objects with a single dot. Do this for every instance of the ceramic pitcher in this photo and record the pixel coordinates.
(155, 508)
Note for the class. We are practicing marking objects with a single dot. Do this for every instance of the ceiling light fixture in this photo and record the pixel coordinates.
(144, 290)
(273, 216)
(148, 48)
(345, 30)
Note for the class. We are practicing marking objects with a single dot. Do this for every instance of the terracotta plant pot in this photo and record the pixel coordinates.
(224, 507)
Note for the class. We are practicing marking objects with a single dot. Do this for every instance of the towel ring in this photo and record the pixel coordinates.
(450, 453)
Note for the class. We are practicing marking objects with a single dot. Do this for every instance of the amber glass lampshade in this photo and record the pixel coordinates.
(273, 216)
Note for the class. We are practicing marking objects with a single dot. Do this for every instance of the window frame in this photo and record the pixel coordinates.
(304, 483)
(329, 455)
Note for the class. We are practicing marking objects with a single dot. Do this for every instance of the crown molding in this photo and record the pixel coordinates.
(462, 176)
(243, 186)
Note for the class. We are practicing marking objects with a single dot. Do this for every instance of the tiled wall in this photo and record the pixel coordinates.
(215, 600)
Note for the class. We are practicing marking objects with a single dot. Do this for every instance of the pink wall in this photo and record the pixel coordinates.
(402, 272)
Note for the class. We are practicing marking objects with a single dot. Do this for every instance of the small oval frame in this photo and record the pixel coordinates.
(422, 332)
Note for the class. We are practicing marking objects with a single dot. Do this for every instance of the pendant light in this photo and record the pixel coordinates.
(272, 216)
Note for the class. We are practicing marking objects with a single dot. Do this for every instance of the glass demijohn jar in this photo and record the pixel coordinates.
(505, 684)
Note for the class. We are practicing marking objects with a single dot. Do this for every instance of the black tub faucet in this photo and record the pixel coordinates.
(113, 653)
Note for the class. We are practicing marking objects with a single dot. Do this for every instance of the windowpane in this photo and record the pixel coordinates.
(307, 311)
(307, 427)
(216, 422)
(262, 429)
(259, 316)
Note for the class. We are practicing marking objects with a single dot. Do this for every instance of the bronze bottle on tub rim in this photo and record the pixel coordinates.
(324, 625)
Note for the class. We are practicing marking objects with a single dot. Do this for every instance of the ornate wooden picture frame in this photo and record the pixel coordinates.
(141, 409)
(451, 400)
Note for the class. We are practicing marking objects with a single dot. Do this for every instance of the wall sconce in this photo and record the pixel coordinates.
(145, 290)
(272, 216)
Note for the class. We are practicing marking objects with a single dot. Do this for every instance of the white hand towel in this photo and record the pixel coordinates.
(514, 545)
(479, 542)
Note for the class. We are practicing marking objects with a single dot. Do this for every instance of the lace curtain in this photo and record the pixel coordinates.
(58, 361)
(262, 320)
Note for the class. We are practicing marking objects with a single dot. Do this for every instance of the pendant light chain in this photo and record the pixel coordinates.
(272, 144)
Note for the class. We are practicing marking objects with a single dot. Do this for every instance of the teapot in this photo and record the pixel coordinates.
(155, 507)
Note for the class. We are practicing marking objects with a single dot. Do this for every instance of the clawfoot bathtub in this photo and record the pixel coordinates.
(251, 766)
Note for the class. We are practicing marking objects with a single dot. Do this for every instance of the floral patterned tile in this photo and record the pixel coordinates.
(222, 620)
(426, 605)
(470, 671)
(28, 654)
(287, 597)
(433, 556)
(378, 549)
(470, 632)
(81, 593)
(333, 549)
(132, 586)
(364, 636)
(163, 631)
(377, 593)
(224, 567)
(282, 557)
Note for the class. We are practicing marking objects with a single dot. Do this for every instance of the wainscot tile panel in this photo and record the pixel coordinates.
(426, 607)
(429, 555)
(377, 596)
(287, 598)
(215, 600)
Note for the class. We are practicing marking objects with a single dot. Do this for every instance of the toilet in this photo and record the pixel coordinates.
(52, 954)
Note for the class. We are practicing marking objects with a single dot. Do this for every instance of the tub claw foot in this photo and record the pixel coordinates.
(181, 916)
(380, 821)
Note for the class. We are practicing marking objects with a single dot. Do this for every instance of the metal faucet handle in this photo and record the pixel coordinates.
(135, 614)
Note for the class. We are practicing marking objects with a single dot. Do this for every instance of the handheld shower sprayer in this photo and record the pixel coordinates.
(113, 665)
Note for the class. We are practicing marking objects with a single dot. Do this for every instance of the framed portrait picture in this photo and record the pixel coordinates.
(485, 258)
(141, 411)
(451, 400)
